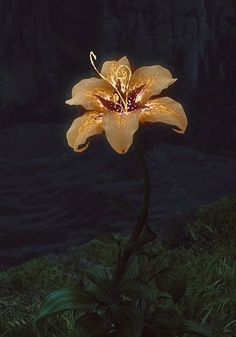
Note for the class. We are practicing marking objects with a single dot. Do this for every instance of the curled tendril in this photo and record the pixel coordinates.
(125, 72)
(93, 58)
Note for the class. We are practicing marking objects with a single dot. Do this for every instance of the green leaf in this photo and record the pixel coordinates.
(194, 328)
(97, 275)
(102, 294)
(91, 324)
(171, 282)
(145, 237)
(136, 289)
(161, 295)
(131, 286)
(150, 294)
(149, 255)
(128, 320)
(132, 270)
(149, 331)
(163, 320)
(100, 285)
(66, 299)
(153, 294)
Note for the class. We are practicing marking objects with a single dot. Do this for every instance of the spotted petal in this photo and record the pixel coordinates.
(154, 79)
(82, 128)
(109, 69)
(86, 91)
(165, 110)
(120, 129)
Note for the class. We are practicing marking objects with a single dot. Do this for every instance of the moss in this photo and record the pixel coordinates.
(214, 224)
(24, 287)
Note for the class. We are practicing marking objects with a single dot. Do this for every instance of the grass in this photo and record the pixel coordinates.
(209, 264)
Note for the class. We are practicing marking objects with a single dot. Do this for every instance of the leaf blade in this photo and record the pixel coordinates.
(189, 326)
(66, 299)
(128, 320)
(91, 324)
(171, 282)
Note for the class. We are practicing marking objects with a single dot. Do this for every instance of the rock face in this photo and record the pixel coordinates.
(52, 198)
(45, 45)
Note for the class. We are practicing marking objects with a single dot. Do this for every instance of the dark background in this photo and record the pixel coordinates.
(44, 51)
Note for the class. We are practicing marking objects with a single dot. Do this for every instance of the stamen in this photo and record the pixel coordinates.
(116, 98)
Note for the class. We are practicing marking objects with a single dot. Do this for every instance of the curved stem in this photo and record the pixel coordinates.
(146, 198)
(121, 265)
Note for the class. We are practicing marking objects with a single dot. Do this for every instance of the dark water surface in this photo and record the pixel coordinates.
(52, 198)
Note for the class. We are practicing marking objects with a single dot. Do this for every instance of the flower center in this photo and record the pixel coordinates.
(123, 100)
(120, 97)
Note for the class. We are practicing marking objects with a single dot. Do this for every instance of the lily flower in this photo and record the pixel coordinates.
(119, 100)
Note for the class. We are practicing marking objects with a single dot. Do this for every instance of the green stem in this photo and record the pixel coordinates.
(128, 250)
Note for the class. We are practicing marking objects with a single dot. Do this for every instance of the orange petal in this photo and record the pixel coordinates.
(109, 69)
(155, 78)
(165, 110)
(120, 129)
(82, 128)
(84, 93)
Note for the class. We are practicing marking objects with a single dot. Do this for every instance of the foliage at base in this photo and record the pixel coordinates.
(210, 266)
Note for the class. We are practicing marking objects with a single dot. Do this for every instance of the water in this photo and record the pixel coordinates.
(52, 198)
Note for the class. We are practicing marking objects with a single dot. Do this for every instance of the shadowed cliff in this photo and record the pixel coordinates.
(45, 45)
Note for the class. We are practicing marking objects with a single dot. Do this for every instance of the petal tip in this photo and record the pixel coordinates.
(179, 131)
(182, 129)
(69, 101)
(81, 148)
(123, 151)
(120, 150)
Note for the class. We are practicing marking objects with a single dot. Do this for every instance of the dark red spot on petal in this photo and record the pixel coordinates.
(132, 104)
(109, 105)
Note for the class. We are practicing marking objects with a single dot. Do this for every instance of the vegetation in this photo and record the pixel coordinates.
(209, 265)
